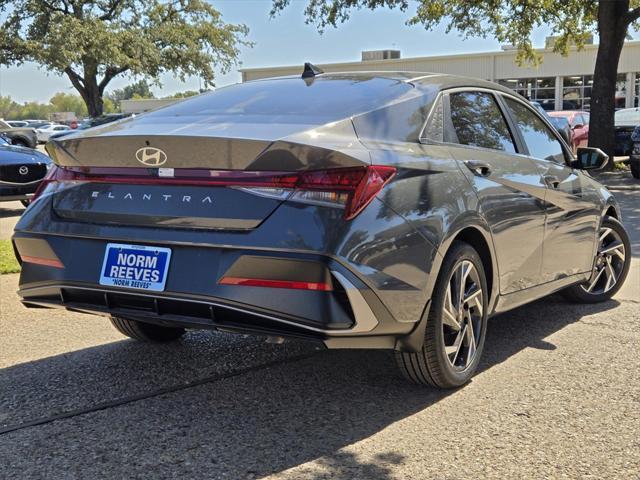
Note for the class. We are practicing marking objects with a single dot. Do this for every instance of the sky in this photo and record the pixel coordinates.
(283, 40)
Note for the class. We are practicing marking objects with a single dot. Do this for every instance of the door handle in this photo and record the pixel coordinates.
(551, 180)
(481, 169)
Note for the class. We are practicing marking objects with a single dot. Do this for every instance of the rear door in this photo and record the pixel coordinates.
(572, 215)
(508, 184)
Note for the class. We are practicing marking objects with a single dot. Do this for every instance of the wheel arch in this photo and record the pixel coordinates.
(477, 234)
(611, 211)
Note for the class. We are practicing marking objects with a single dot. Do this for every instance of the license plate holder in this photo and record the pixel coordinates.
(140, 267)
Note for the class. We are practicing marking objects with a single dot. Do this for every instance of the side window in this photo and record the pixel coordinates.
(541, 142)
(435, 128)
(477, 121)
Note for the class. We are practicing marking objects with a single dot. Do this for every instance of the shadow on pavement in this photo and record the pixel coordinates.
(6, 212)
(263, 421)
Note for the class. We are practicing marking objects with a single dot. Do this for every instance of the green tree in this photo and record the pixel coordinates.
(512, 21)
(93, 41)
(9, 109)
(185, 94)
(66, 102)
(35, 110)
(139, 89)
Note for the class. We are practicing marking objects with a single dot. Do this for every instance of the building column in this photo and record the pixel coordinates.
(630, 89)
(558, 94)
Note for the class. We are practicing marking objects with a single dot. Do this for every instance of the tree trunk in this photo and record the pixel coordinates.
(94, 101)
(612, 28)
(89, 89)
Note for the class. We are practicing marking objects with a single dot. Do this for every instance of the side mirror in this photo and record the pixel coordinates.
(589, 158)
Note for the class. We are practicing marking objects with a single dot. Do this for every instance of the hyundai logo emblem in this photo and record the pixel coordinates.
(23, 170)
(150, 156)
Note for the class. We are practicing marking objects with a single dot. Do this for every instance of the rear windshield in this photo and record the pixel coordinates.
(293, 99)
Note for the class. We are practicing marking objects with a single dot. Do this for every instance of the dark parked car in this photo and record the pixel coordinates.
(561, 124)
(23, 137)
(626, 120)
(361, 210)
(634, 158)
(92, 122)
(21, 171)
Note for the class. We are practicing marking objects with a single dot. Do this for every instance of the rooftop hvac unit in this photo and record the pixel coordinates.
(369, 55)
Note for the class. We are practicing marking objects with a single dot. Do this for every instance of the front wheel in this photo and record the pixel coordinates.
(456, 325)
(610, 266)
(146, 332)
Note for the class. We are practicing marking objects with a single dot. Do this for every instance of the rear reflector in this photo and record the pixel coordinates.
(48, 262)
(261, 282)
(353, 187)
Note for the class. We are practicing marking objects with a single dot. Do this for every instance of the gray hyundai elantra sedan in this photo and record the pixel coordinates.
(387, 210)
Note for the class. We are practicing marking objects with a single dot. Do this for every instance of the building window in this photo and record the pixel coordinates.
(636, 100)
(621, 91)
(576, 92)
(541, 90)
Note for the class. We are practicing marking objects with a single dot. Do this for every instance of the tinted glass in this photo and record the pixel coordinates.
(541, 142)
(435, 127)
(293, 100)
(401, 121)
(477, 121)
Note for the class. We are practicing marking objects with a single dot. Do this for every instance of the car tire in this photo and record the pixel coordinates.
(437, 364)
(635, 169)
(607, 264)
(20, 142)
(146, 332)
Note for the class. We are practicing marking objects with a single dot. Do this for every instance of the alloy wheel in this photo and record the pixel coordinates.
(609, 263)
(462, 315)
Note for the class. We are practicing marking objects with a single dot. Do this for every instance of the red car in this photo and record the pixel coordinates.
(579, 122)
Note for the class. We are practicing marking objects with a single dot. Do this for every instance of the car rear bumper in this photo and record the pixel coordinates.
(349, 315)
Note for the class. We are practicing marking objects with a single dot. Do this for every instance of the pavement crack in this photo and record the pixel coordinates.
(155, 393)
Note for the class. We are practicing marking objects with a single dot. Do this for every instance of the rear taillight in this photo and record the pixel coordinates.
(349, 188)
(354, 188)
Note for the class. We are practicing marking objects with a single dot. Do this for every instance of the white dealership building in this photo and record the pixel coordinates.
(558, 83)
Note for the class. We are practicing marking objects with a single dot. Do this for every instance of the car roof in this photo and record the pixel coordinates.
(416, 78)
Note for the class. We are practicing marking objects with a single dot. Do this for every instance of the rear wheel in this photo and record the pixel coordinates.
(635, 169)
(456, 326)
(611, 266)
(146, 332)
(19, 142)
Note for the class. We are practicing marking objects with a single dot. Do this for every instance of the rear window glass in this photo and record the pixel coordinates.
(293, 99)
(400, 122)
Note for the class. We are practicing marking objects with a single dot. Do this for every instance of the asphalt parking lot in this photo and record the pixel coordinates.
(557, 396)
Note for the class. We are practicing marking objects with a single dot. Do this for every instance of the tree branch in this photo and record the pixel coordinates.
(112, 9)
(53, 8)
(109, 74)
(632, 16)
(76, 80)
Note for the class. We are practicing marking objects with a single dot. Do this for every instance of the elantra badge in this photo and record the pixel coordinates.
(150, 156)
